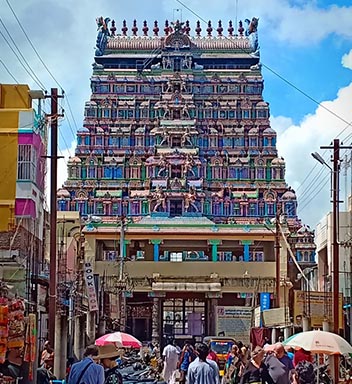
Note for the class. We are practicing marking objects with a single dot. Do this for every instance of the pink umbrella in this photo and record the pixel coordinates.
(120, 339)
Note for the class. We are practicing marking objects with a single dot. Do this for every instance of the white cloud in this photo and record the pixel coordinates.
(61, 169)
(297, 142)
(347, 60)
(299, 24)
(62, 163)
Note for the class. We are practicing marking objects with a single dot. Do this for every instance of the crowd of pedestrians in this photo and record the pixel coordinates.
(270, 364)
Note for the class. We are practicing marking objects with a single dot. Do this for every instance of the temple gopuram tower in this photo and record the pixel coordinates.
(178, 180)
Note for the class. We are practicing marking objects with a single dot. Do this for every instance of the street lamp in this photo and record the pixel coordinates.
(317, 157)
(335, 246)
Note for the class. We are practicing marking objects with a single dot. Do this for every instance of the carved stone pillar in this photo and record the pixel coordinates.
(122, 312)
(156, 320)
(212, 304)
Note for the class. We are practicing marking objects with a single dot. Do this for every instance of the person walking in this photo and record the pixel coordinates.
(186, 357)
(170, 358)
(87, 371)
(203, 370)
(279, 365)
(107, 356)
(256, 371)
(234, 366)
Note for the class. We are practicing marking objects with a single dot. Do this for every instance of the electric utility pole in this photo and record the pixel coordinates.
(54, 116)
(335, 245)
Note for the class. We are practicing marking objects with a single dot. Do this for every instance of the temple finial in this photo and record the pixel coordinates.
(230, 29)
(124, 28)
(145, 28)
(156, 28)
(198, 29)
(113, 28)
(209, 29)
(220, 28)
(134, 28)
(167, 27)
(240, 28)
(187, 28)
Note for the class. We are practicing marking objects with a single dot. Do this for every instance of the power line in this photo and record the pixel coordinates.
(275, 73)
(32, 75)
(8, 71)
(31, 44)
(348, 124)
(43, 63)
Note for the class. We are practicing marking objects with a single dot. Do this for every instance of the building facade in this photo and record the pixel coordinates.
(177, 176)
(23, 137)
(325, 258)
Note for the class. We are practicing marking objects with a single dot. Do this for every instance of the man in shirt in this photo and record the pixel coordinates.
(279, 365)
(87, 371)
(203, 370)
(170, 357)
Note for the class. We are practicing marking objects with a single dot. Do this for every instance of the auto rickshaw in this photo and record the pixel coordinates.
(221, 345)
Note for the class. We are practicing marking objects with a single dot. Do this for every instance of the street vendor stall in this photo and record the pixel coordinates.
(17, 341)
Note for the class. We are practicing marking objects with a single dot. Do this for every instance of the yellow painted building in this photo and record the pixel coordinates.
(13, 100)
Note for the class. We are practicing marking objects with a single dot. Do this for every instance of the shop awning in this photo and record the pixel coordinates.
(186, 287)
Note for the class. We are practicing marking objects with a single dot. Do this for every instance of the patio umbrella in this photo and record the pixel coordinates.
(120, 339)
(320, 342)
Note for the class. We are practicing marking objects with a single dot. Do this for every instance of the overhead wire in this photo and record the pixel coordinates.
(30, 70)
(45, 66)
(34, 78)
(348, 124)
(9, 72)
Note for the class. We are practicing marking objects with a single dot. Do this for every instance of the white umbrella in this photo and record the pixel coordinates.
(320, 342)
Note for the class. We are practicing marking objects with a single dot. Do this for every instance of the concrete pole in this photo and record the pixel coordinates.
(273, 336)
(306, 324)
(155, 321)
(287, 332)
(91, 327)
(63, 350)
(58, 346)
(78, 338)
(326, 326)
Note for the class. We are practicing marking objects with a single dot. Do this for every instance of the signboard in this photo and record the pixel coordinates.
(234, 322)
(90, 285)
(318, 304)
(257, 317)
(276, 317)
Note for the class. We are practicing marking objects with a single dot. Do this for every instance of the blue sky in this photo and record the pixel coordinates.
(307, 44)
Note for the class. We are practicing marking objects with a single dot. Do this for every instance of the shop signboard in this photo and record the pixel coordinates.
(318, 305)
(234, 322)
(90, 285)
(276, 317)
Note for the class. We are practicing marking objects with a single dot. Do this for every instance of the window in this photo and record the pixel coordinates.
(176, 256)
(27, 160)
(115, 209)
(184, 317)
(175, 208)
(100, 208)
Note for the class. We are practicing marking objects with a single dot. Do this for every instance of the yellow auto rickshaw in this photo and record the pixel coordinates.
(221, 346)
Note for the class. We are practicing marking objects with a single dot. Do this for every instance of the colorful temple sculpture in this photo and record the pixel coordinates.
(176, 176)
